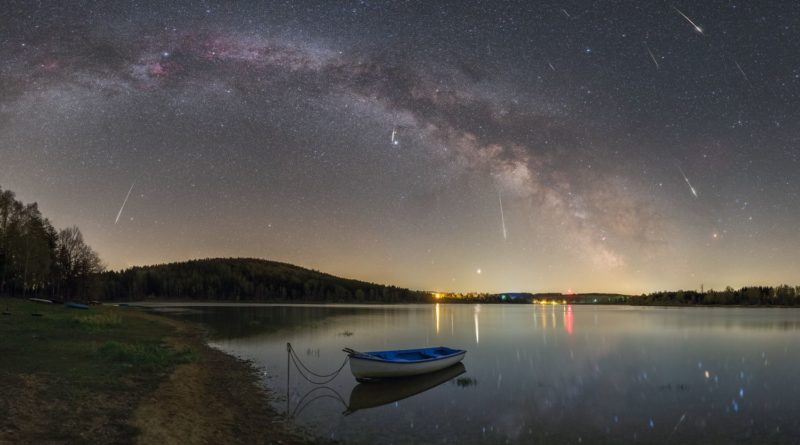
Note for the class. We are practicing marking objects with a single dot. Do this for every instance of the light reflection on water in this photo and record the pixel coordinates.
(551, 373)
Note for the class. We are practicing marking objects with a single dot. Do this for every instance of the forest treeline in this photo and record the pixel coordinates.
(36, 259)
(746, 296)
(244, 279)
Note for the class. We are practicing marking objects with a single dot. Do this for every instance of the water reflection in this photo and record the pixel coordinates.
(371, 395)
(437, 318)
(477, 324)
(374, 394)
(316, 393)
(548, 373)
(568, 318)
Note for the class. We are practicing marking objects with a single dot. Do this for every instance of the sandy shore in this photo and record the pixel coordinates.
(60, 386)
(216, 399)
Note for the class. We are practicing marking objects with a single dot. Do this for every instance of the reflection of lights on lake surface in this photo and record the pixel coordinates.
(568, 320)
(544, 320)
(437, 318)
(477, 328)
(679, 398)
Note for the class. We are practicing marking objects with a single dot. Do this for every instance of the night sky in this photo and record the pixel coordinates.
(455, 146)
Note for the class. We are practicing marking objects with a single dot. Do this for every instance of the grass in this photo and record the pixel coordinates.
(99, 321)
(69, 372)
(153, 355)
(112, 375)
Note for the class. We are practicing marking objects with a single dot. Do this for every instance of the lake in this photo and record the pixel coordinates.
(532, 373)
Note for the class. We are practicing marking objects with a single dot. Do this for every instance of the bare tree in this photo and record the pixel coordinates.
(76, 261)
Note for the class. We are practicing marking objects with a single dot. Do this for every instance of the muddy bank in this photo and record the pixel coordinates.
(116, 375)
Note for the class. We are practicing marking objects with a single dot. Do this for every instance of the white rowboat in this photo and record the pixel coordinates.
(367, 366)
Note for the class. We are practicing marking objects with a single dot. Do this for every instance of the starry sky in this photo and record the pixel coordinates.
(453, 145)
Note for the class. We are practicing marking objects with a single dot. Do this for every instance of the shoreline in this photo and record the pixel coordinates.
(231, 399)
(155, 305)
(124, 375)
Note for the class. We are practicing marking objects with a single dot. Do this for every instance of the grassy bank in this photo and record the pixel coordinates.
(120, 375)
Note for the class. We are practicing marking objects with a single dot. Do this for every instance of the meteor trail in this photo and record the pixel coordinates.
(551, 66)
(394, 136)
(696, 28)
(123, 204)
(679, 423)
(653, 57)
(691, 188)
(502, 215)
(739, 67)
(566, 13)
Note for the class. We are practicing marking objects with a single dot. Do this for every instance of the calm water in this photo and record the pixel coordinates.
(535, 374)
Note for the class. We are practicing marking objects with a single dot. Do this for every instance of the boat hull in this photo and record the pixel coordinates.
(365, 369)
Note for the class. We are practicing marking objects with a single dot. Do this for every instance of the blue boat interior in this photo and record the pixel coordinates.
(415, 355)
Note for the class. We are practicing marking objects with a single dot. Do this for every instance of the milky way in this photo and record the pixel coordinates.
(371, 139)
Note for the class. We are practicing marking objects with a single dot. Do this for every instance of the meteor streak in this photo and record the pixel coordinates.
(691, 188)
(739, 67)
(123, 204)
(679, 423)
(696, 28)
(394, 136)
(502, 215)
(653, 57)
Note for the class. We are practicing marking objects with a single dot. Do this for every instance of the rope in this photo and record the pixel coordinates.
(302, 367)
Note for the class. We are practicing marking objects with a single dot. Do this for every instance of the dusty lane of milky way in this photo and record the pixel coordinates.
(550, 146)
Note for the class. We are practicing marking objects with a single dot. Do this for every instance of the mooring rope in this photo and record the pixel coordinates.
(302, 367)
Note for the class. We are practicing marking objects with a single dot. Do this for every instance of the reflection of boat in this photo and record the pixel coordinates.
(370, 395)
(73, 305)
(402, 363)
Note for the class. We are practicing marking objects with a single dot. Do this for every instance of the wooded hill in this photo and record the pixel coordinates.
(244, 279)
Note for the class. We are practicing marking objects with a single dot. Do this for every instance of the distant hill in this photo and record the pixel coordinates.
(244, 279)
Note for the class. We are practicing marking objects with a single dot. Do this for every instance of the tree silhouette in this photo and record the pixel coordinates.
(37, 260)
